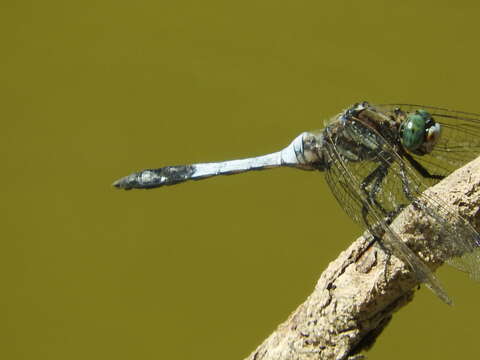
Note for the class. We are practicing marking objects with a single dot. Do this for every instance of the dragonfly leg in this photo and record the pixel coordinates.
(406, 187)
(376, 177)
(388, 257)
(408, 192)
(388, 220)
(415, 201)
(378, 240)
(420, 168)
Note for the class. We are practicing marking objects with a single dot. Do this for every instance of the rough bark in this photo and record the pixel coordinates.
(356, 297)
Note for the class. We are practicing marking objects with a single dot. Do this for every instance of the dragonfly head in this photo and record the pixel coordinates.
(419, 133)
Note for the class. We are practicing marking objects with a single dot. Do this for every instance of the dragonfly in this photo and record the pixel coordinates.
(377, 160)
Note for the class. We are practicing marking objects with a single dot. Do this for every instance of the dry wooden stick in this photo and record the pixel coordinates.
(355, 297)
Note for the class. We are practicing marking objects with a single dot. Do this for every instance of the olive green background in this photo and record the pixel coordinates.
(93, 90)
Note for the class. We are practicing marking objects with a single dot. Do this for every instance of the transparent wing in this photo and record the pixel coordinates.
(371, 199)
(459, 143)
(347, 179)
(459, 140)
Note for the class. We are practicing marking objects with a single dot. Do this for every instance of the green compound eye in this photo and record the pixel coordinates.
(413, 130)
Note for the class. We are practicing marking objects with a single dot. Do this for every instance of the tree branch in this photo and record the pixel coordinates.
(355, 297)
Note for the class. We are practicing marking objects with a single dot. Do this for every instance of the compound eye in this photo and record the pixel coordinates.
(413, 132)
